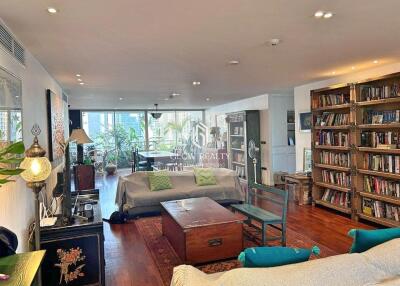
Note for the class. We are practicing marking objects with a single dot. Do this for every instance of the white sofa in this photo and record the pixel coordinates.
(378, 266)
(135, 198)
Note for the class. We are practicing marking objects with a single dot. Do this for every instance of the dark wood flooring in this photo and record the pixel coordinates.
(128, 261)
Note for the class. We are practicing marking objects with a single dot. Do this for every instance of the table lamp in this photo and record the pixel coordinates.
(37, 169)
(79, 136)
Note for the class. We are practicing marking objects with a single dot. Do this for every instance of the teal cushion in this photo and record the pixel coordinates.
(275, 256)
(159, 181)
(365, 239)
(205, 177)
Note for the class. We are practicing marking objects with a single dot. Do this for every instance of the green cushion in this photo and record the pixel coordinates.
(205, 177)
(275, 256)
(365, 239)
(159, 181)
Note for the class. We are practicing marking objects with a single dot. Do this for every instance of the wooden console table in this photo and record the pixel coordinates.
(21, 268)
(300, 185)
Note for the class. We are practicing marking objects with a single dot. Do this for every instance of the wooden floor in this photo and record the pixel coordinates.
(128, 261)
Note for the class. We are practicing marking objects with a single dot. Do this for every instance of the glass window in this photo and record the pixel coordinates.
(162, 131)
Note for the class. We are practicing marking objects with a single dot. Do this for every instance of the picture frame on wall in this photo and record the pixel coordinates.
(307, 160)
(305, 121)
(57, 116)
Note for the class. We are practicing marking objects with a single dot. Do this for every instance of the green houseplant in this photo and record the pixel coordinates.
(10, 158)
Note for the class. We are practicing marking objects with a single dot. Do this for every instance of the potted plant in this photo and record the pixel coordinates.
(111, 166)
(10, 158)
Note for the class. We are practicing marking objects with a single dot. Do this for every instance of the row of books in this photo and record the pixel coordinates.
(333, 158)
(332, 138)
(238, 157)
(332, 119)
(333, 99)
(373, 138)
(382, 163)
(338, 178)
(381, 116)
(380, 209)
(381, 186)
(240, 171)
(379, 92)
(337, 198)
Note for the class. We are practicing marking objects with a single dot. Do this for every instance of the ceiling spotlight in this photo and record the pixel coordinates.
(274, 42)
(166, 98)
(52, 10)
(121, 98)
(233, 62)
(375, 61)
(78, 75)
(333, 72)
(81, 83)
(328, 15)
(79, 79)
(196, 83)
(353, 67)
(319, 14)
(175, 94)
(208, 99)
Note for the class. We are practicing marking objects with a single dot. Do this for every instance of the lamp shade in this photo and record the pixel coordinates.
(79, 136)
(37, 169)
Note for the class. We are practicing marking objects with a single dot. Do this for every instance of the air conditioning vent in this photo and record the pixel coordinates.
(11, 45)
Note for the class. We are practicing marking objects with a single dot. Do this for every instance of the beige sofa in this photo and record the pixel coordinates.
(378, 266)
(135, 198)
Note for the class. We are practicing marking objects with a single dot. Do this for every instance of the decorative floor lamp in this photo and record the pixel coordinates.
(37, 169)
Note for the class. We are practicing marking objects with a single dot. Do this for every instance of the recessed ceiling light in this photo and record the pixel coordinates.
(233, 62)
(328, 15)
(121, 98)
(333, 72)
(274, 42)
(196, 83)
(81, 83)
(353, 67)
(166, 98)
(52, 10)
(79, 79)
(318, 14)
(78, 75)
(375, 61)
(208, 99)
(175, 94)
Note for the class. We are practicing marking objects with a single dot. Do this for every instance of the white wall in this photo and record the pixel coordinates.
(16, 200)
(302, 101)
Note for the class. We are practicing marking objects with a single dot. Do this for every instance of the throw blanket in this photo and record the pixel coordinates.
(377, 266)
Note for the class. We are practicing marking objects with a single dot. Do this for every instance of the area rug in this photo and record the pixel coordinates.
(166, 258)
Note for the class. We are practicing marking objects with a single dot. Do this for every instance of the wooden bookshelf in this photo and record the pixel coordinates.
(379, 174)
(382, 221)
(388, 199)
(330, 147)
(332, 167)
(333, 206)
(378, 150)
(340, 127)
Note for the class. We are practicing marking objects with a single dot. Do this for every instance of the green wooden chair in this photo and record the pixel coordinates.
(265, 218)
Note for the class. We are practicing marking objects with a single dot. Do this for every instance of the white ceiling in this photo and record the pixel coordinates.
(144, 50)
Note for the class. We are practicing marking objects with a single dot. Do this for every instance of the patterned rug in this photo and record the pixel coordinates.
(166, 259)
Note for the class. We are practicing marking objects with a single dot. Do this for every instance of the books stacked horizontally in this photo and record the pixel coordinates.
(332, 138)
(381, 116)
(382, 163)
(380, 209)
(373, 139)
(337, 198)
(379, 92)
(381, 186)
(333, 99)
(332, 119)
(334, 158)
(338, 178)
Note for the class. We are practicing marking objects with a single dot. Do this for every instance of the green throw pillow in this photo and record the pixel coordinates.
(275, 256)
(159, 181)
(365, 239)
(204, 177)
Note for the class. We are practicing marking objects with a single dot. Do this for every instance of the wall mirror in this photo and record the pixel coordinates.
(10, 108)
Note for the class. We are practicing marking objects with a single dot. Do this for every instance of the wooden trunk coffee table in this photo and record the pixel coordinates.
(200, 230)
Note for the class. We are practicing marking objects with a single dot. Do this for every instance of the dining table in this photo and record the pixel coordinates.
(157, 156)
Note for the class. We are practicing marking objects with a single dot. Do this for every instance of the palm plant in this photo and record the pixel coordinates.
(10, 158)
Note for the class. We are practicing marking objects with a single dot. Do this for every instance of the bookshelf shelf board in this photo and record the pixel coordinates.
(330, 147)
(379, 126)
(332, 187)
(332, 206)
(388, 199)
(378, 150)
(332, 167)
(332, 107)
(340, 127)
(379, 174)
(236, 135)
(238, 163)
(237, 149)
(379, 101)
(382, 221)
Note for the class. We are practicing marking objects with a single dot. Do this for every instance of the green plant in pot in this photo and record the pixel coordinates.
(111, 166)
(10, 158)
